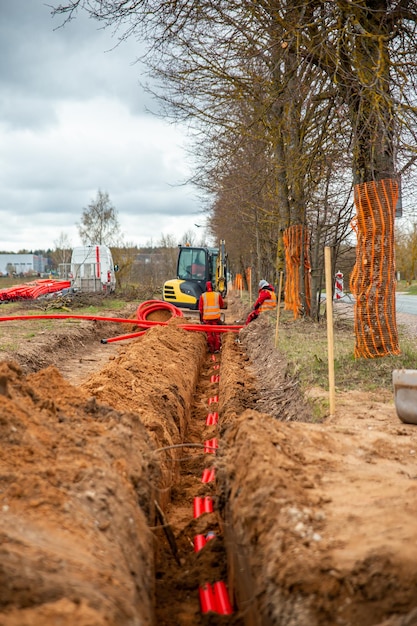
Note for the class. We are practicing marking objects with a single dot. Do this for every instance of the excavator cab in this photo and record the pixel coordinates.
(195, 266)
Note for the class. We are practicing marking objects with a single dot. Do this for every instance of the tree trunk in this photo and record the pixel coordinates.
(373, 278)
(376, 191)
(297, 296)
(316, 273)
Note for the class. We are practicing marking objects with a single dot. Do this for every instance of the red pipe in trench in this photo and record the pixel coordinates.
(144, 309)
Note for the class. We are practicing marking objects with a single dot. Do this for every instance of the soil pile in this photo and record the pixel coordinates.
(75, 543)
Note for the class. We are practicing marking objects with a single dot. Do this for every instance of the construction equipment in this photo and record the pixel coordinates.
(195, 267)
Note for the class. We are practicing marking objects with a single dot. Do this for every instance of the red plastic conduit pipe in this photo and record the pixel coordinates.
(143, 310)
(215, 599)
(139, 313)
(145, 323)
(55, 316)
(150, 306)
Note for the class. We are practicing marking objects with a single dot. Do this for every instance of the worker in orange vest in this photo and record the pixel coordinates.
(267, 300)
(209, 306)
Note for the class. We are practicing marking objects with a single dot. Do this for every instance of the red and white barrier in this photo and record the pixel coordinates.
(338, 286)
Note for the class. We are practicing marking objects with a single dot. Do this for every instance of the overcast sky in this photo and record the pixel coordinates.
(73, 120)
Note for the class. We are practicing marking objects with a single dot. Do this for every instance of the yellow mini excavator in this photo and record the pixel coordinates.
(196, 266)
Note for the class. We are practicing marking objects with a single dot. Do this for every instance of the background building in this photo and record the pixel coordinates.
(22, 264)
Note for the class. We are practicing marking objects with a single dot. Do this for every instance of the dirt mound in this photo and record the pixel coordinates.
(72, 472)
(277, 393)
(150, 376)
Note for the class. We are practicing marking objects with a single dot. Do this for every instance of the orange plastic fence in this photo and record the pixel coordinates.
(296, 243)
(373, 278)
(238, 282)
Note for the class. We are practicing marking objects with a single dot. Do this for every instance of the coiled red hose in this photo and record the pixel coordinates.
(142, 312)
(151, 306)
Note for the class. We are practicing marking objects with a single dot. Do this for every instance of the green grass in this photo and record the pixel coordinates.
(10, 346)
(10, 281)
(304, 344)
(108, 305)
(405, 287)
(411, 290)
(28, 307)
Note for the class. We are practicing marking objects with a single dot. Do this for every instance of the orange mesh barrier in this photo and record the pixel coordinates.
(373, 278)
(238, 282)
(296, 243)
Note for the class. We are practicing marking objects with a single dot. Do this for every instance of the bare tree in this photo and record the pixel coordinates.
(406, 251)
(297, 76)
(63, 248)
(168, 248)
(61, 256)
(367, 49)
(99, 222)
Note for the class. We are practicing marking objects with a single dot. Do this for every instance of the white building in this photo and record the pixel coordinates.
(22, 264)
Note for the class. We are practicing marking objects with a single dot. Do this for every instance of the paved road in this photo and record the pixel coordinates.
(406, 304)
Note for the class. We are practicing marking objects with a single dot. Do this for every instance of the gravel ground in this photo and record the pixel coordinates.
(405, 321)
(408, 323)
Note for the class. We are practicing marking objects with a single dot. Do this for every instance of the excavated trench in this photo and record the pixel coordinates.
(106, 492)
(111, 512)
(190, 551)
(106, 489)
(180, 399)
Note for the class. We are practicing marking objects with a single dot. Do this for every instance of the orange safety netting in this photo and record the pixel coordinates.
(238, 282)
(373, 278)
(296, 243)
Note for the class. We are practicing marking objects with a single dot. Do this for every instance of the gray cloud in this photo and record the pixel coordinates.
(73, 120)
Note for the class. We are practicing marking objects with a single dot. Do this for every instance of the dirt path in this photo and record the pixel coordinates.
(77, 368)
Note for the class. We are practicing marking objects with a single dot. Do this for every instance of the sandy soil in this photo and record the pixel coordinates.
(314, 523)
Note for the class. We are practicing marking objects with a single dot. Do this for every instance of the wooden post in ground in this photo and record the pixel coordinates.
(330, 334)
(278, 307)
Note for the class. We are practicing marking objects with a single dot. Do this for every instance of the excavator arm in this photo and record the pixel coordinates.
(221, 269)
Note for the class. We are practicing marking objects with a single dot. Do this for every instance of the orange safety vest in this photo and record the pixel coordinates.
(270, 303)
(211, 305)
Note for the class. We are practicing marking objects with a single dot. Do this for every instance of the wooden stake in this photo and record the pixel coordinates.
(278, 307)
(330, 334)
